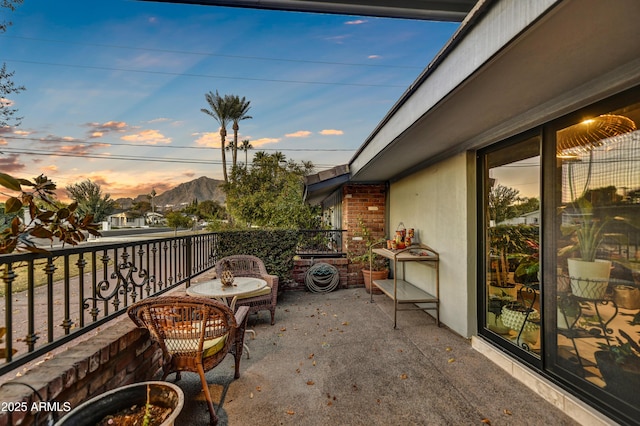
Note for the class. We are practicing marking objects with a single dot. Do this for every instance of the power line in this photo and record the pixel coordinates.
(82, 141)
(269, 80)
(183, 52)
(127, 157)
(109, 157)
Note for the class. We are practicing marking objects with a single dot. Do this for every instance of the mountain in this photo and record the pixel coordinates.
(200, 189)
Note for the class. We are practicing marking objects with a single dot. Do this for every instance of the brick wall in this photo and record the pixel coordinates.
(369, 203)
(121, 354)
(301, 266)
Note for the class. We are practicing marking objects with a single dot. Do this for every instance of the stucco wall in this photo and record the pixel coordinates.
(436, 203)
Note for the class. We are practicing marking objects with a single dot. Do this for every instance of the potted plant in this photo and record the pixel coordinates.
(620, 368)
(589, 276)
(523, 320)
(505, 241)
(374, 267)
(153, 403)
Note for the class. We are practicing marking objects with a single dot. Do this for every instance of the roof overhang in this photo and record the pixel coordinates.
(434, 10)
(508, 69)
(320, 185)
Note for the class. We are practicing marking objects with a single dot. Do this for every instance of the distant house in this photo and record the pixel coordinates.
(531, 218)
(126, 220)
(153, 218)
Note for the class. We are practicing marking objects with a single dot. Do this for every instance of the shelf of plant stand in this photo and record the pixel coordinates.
(403, 292)
(406, 292)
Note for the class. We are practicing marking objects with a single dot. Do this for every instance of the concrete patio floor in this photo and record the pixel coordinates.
(335, 359)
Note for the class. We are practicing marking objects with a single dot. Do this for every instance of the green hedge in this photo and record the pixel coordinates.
(275, 248)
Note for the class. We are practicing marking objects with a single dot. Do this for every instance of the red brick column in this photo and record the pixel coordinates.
(366, 202)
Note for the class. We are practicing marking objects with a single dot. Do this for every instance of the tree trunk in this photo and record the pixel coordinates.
(223, 136)
(235, 143)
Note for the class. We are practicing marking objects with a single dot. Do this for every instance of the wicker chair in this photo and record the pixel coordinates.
(251, 266)
(195, 334)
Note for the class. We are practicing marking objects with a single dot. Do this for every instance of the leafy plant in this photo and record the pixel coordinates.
(505, 240)
(364, 256)
(528, 268)
(588, 232)
(47, 217)
(623, 353)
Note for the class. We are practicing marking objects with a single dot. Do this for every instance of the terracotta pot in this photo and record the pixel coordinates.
(626, 297)
(373, 275)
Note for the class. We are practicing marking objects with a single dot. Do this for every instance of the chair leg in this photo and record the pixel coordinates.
(273, 315)
(207, 395)
(246, 348)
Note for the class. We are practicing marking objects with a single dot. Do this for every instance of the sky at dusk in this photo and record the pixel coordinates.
(115, 88)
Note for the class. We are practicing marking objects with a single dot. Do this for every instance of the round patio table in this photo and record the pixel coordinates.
(242, 286)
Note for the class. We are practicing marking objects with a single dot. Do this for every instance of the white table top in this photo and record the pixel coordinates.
(214, 288)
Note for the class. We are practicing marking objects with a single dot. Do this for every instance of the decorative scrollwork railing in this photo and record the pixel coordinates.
(53, 298)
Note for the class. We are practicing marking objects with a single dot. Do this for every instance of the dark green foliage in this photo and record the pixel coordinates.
(276, 248)
(270, 193)
(90, 199)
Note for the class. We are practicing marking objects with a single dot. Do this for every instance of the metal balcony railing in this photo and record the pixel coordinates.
(54, 298)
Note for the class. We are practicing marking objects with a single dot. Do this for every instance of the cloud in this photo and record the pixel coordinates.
(10, 163)
(356, 22)
(158, 120)
(331, 132)
(374, 57)
(79, 149)
(264, 141)
(210, 139)
(98, 130)
(337, 39)
(51, 168)
(6, 102)
(149, 137)
(113, 125)
(21, 133)
(298, 134)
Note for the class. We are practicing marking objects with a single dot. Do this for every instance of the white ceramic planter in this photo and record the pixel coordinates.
(515, 319)
(589, 280)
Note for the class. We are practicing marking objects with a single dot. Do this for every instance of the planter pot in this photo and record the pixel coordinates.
(163, 394)
(494, 323)
(589, 280)
(514, 314)
(373, 275)
(626, 297)
(623, 380)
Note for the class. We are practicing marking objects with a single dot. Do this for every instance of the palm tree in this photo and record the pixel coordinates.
(221, 111)
(246, 146)
(260, 157)
(239, 109)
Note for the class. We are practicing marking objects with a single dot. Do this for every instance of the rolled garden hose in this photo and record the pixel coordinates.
(322, 278)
